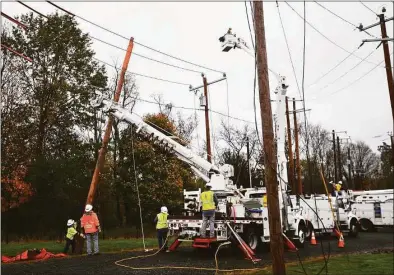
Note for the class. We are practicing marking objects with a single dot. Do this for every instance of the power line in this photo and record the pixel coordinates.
(343, 19)
(121, 36)
(331, 41)
(355, 66)
(143, 56)
(288, 48)
(142, 75)
(368, 8)
(30, 8)
(333, 68)
(364, 75)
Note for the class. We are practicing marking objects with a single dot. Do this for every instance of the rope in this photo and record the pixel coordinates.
(136, 184)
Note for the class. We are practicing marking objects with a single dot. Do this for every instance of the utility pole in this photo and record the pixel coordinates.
(384, 40)
(339, 160)
(107, 134)
(335, 157)
(291, 161)
(248, 156)
(275, 225)
(349, 168)
(207, 132)
(297, 150)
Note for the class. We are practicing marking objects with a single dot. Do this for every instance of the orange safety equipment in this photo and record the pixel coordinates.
(90, 222)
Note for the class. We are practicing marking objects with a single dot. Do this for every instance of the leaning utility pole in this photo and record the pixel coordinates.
(289, 145)
(207, 132)
(107, 134)
(275, 225)
(297, 150)
(335, 157)
(339, 160)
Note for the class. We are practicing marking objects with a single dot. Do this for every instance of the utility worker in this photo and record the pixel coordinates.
(209, 203)
(71, 233)
(264, 200)
(91, 227)
(162, 228)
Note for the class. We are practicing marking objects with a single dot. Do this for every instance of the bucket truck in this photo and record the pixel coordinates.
(374, 208)
(237, 217)
(316, 208)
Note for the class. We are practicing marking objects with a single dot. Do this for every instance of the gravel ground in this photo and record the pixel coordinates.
(188, 257)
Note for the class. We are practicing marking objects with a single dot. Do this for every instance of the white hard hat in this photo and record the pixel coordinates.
(70, 222)
(164, 209)
(208, 184)
(88, 208)
(340, 182)
(331, 182)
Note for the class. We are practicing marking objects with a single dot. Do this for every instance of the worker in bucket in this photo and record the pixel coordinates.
(209, 203)
(70, 236)
(91, 226)
(162, 228)
(338, 188)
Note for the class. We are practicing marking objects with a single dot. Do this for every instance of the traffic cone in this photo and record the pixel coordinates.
(341, 242)
(313, 239)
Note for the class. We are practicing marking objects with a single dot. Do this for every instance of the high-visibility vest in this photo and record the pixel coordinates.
(71, 232)
(90, 223)
(207, 200)
(162, 221)
(264, 200)
(338, 187)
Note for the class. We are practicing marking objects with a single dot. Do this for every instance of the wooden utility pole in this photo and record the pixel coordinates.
(335, 157)
(248, 156)
(207, 132)
(107, 134)
(339, 160)
(275, 225)
(351, 184)
(387, 60)
(297, 149)
(289, 143)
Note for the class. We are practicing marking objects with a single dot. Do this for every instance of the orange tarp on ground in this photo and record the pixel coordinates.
(32, 255)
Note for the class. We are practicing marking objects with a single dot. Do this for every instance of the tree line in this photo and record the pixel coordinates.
(51, 136)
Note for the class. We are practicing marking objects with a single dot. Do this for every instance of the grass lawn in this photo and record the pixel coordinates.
(11, 249)
(379, 264)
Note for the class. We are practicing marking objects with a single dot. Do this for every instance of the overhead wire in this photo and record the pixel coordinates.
(348, 71)
(328, 39)
(368, 8)
(106, 63)
(288, 48)
(143, 56)
(333, 68)
(143, 75)
(343, 19)
(138, 43)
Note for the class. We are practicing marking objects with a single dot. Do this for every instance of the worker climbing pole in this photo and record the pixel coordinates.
(107, 134)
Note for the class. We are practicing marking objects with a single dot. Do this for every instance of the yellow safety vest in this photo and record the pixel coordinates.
(264, 200)
(162, 221)
(207, 201)
(71, 232)
(337, 187)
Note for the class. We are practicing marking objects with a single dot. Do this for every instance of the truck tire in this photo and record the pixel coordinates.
(300, 240)
(308, 232)
(366, 225)
(252, 238)
(354, 228)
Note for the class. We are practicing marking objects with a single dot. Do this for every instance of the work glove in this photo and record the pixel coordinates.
(82, 235)
(99, 229)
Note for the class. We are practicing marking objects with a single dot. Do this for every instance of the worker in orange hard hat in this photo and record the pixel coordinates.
(91, 226)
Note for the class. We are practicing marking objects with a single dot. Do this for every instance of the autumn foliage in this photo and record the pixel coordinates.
(14, 191)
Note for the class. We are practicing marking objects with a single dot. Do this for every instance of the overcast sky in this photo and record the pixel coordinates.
(191, 31)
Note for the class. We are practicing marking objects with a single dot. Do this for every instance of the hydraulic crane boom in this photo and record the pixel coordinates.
(219, 177)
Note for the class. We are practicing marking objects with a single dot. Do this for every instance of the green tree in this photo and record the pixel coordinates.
(52, 99)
